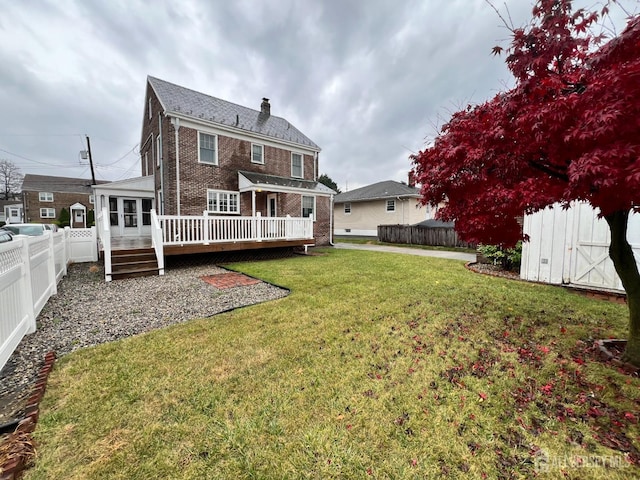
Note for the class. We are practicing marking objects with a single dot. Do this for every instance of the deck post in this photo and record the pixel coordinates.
(258, 227)
(287, 227)
(205, 227)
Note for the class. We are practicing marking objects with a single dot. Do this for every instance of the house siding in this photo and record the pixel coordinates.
(366, 216)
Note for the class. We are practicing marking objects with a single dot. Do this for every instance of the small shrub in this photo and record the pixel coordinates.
(507, 258)
(64, 219)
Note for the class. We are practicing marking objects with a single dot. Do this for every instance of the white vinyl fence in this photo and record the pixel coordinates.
(30, 269)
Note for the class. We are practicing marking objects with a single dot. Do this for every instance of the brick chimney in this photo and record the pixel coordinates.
(412, 179)
(265, 108)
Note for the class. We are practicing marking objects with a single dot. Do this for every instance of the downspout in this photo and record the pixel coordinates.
(153, 145)
(315, 166)
(176, 127)
(331, 221)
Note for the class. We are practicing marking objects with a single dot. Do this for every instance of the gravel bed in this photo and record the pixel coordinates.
(88, 311)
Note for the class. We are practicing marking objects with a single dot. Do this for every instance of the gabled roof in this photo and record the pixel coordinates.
(378, 191)
(4, 203)
(253, 181)
(47, 183)
(201, 107)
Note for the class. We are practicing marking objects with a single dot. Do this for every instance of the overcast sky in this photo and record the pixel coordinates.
(367, 80)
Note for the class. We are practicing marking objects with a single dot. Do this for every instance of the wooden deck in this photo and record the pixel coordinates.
(134, 243)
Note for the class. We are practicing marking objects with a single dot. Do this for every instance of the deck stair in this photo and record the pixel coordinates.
(133, 262)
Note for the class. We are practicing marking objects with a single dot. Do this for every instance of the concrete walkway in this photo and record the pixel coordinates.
(466, 257)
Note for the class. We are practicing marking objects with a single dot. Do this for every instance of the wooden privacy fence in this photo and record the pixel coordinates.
(420, 235)
(30, 269)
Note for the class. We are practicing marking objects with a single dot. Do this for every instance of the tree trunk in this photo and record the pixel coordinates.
(625, 264)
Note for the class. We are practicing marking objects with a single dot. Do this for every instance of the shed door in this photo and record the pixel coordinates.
(591, 265)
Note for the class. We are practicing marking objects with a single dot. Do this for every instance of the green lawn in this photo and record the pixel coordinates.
(377, 365)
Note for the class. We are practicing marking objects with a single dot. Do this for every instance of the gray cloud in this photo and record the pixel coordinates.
(366, 80)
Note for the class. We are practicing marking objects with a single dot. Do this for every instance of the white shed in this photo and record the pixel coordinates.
(572, 247)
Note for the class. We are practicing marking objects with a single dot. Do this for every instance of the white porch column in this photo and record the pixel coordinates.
(253, 203)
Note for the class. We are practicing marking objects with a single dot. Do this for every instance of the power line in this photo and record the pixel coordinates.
(36, 161)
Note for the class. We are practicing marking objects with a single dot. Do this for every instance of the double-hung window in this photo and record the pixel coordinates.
(297, 169)
(391, 205)
(222, 201)
(207, 148)
(45, 196)
(347, 208)
(257, 153)
(47, 213)
(308, 206)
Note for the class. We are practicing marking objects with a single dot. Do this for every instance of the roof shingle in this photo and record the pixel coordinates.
(199, 106)
(47, 183)
(378, 191)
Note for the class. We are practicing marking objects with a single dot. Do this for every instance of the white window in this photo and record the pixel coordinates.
(297, 169)
(92, 199)
(149, 109)
(146, 162)
(257, 153)
(207, 148)
(47, 213)
(46, 196)
(347, 208)
(222, 201)
(158, 151)
(308, 206)
(391, 205)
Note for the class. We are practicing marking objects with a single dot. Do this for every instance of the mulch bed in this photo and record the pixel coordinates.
(229, 280)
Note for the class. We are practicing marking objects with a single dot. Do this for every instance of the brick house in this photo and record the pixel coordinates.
(44, 197)
(217, 176)
(207, 154)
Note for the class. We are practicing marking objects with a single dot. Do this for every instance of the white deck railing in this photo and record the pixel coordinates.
(204, 230)
(103, 223)
(156, 241)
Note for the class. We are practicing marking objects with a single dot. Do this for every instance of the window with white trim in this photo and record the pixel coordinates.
(45, 196)
(257, 153)
(347, 208)
(391, 205)
(146, 162)
(223, 201)
(92, 199)
(47, 213)
(297, 168)
(207, 148)
(308, 206)
(149, 109)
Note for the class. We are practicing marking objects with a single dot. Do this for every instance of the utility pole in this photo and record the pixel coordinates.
(93, 175)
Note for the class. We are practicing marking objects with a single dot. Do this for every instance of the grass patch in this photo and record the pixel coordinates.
(378, 365)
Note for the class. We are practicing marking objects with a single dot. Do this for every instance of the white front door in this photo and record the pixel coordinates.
(130, 216)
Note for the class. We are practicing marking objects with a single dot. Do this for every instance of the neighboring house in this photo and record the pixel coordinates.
(10, 211)
(213, 172)
(360, 211)
(572, 247)
(44, 197)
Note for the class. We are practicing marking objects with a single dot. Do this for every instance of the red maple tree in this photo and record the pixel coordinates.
(569, 130)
